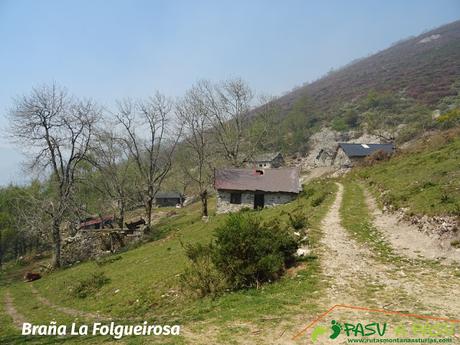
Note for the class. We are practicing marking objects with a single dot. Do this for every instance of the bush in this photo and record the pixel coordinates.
(248, 252)
(90, 285)
(307, 192)
(298, 220)
(318, 200)
(201, 277)
(377, 156)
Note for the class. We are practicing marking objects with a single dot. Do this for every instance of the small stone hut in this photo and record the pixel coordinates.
(348, 154)
(267, 160)
(163, 199)
(255, 188)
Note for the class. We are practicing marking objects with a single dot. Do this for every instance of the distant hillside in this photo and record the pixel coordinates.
(423, 68)
(412, 76)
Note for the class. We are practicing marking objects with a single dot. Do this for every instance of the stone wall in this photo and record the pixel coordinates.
(92, 244)
(247, 200)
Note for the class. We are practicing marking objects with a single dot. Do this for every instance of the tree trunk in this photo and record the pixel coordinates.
(204, 203)
(149, 208)
(122, 215)
(16, 248)
(57, 244)
(1, 249)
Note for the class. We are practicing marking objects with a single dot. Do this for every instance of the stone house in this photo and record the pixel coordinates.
(267, 161)
(255, 188)
(348, 154)
(163, 199)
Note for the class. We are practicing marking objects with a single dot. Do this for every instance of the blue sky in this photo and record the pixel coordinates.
(113, 49)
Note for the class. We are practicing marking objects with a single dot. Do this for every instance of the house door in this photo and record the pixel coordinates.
(259, 201)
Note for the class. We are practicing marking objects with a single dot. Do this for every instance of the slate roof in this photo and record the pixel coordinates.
(266, 157)
(94, 221)
(363, 150)
(272, 180)
(168, 195)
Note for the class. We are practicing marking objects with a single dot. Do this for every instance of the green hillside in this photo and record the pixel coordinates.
(144, 283)
(425, 179)
(401, 85)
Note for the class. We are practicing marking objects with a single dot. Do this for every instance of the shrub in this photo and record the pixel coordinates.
(455, 243)
(318, 200)
(201, 277)
(377, 156)
(90, 285)
(249, 252)
(298, 220)
(307, 192)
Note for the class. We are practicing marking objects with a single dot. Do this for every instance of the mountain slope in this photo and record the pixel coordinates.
(423, 68)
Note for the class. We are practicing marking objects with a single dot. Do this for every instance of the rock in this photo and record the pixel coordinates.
(303, 252)
(31, 276)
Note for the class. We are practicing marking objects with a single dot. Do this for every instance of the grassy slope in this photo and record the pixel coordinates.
(144, 283)
(426, 180)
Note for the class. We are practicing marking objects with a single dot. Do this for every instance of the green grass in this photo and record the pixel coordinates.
(144, 282)
(426, 180)
(36, 313)
(358, 222)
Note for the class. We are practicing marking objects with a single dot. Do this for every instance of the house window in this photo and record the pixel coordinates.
(235, 198)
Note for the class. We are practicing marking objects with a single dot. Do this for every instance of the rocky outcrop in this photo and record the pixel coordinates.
(323, 146)
(443, 227)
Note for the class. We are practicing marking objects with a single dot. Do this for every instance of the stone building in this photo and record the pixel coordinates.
(163, 199)
(348, 154)
(255, 188)
(267, 161)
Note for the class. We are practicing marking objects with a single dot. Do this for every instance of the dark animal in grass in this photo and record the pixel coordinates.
(30, 276)
(136, 224)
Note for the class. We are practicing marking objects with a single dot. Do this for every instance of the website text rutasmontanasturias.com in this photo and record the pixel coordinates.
(402, 340)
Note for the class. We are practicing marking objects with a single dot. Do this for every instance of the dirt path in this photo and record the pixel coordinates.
(357, 277)
(315, 173)
(407, 240)
(18, 319)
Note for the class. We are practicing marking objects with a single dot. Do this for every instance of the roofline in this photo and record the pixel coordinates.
(257, 190)
(392, 143)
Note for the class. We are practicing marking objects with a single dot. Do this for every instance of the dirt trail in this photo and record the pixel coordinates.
(407, 240)
(356, 276)
(315, 173)
(18, 319)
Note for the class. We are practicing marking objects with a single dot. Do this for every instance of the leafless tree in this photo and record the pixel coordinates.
(149, 142)
(108, 155)
(56, 130)
(193, 115)
(231, 114)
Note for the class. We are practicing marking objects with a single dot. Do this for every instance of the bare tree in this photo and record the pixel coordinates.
(149, 142)
(56, 130)
(193, 115)
(230, 112)
(108, 155)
